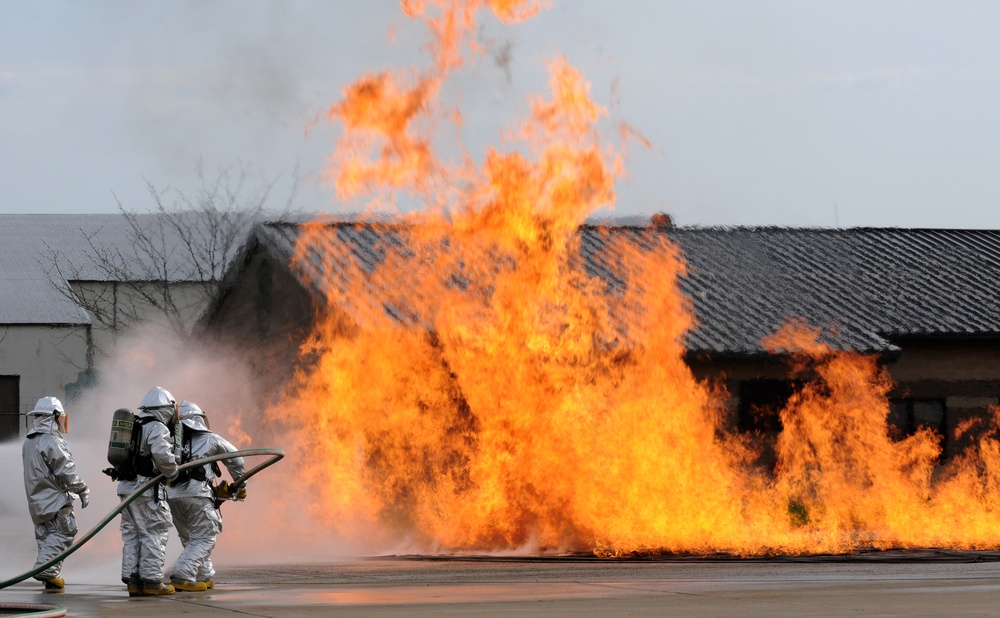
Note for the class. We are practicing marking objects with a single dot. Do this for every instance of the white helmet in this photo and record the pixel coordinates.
(157, 397)
(192, 416)
(50, 416)
(48, 405)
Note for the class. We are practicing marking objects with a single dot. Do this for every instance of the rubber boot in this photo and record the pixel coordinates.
(188, 585)
(134, 585)
(54, 584)
(156, 588)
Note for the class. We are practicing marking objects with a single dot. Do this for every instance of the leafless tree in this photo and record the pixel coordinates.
(171, 260)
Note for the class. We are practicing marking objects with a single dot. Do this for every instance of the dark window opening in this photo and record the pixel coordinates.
(761, 402)
(759, 413)
(10, 417)
(906, 416)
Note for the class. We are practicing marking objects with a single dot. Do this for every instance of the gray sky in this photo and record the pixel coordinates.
(797, 112)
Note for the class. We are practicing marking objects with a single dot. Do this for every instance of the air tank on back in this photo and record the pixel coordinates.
(121, 437)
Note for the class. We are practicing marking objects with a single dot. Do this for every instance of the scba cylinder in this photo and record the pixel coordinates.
(121, 437)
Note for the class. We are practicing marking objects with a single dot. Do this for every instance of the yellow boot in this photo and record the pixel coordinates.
(156, 588)
(189, 585)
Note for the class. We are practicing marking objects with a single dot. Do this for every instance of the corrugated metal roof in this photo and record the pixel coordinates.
(862, 287)
(27, 293)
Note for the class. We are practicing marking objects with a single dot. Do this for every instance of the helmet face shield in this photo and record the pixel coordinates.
(48, 414)
(62, 421)
(193, 416)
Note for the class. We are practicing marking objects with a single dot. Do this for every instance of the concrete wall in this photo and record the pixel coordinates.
(125, 305)
(57, 360)
(45, 358)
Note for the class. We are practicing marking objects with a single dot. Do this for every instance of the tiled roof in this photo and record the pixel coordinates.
(864, 287)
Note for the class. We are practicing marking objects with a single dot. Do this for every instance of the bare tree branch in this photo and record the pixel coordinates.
(172, 257)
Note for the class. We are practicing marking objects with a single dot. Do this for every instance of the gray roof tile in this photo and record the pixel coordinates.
(863, 287)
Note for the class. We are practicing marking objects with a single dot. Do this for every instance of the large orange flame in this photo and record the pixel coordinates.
(478, 389)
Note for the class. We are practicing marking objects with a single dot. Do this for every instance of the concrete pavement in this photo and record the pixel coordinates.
(901, 584)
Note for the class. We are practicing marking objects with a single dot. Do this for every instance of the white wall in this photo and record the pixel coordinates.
(124, 306)
(46, 358)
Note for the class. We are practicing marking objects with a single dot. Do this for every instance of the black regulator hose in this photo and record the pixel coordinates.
(274, 455)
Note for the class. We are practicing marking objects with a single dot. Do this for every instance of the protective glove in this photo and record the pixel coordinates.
(84, 497)
(221, 491)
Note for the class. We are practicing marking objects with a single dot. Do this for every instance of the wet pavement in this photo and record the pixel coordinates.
(928, 584)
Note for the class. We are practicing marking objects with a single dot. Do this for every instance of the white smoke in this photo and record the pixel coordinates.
(271, 527)
(17, 538)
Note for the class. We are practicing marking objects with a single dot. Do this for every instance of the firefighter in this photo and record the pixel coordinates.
(146, 521)
(50, 481)
(193, 502)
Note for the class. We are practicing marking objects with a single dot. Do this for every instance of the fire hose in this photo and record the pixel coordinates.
(274, 455)
(35, 610)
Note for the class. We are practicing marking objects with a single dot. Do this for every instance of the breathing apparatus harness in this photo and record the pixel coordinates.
(127, 464)
(198, 473)
(124, 449)
(135, 464)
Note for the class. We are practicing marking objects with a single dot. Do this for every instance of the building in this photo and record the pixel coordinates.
(922, 300)
(69, 285)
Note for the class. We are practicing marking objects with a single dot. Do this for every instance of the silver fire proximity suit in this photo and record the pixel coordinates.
(192, 501)
(145, 523)
(50, 480)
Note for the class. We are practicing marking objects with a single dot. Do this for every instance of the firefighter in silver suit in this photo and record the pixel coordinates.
(192, 500)
(50, 481)
(145, 522)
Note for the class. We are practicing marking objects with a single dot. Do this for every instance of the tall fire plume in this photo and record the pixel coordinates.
(479, 390)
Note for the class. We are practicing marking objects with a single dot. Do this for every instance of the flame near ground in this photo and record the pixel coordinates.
(514, 402)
